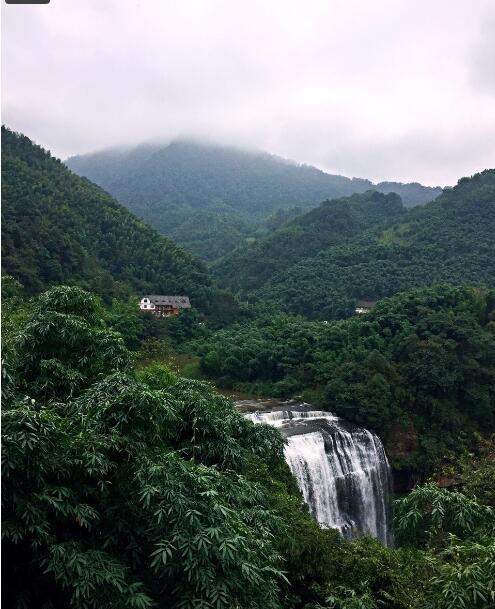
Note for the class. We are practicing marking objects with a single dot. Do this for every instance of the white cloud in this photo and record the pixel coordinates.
(385, 89)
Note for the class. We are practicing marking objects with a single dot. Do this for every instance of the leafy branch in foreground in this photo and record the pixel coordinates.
(118, 493)
(429, 515)
(459, 531)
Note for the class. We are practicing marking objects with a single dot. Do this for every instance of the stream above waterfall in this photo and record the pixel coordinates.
(341, 469)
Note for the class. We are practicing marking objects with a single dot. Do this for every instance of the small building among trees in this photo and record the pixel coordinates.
(164, 306)
(365, 306)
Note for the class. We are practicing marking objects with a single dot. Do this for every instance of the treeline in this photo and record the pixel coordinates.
(332, 223)
(135, 488)
(419, 368)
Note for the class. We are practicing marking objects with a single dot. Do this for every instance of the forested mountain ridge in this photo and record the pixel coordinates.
(167, 185)
(449, 240)
(60, 228)
(332, 223)
(412, 194)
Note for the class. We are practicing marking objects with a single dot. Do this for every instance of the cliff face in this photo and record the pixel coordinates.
(401, 444)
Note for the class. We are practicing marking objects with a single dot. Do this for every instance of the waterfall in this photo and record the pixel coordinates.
(341, 470)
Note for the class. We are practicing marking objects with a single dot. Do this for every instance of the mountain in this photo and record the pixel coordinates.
(449, 240)
(167, 185)
(412, 194)
(60, 228)
(332, 223)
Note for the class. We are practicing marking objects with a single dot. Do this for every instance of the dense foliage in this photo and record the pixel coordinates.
(185, 188)
(57, 227)
(208, 234)
(449, 240)
(332, 223)
(419, 368)
(126, 488)
(124, 491)
(127, 485)
(459, 534)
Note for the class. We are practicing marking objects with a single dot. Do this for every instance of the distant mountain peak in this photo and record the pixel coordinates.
(168, 184)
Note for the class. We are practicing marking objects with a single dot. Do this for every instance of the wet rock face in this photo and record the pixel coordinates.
(342, 470)
(402, 443)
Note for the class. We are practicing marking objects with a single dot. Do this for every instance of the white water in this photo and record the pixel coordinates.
(279, 418)
(342, 471)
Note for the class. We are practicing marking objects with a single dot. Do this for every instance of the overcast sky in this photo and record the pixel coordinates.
(383, 89)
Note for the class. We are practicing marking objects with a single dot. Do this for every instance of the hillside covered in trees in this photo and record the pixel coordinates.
(448, 240)
(208, 198)
(126, 484)
(332, 223)
(60, 228)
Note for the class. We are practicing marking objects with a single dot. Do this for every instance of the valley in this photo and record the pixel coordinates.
(248, 304)
(125, 455)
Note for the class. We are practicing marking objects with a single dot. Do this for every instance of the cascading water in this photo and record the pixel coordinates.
(341, 470)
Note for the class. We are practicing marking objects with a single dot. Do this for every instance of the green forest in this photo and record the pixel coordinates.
(419, 369)
(130, 479)
(333, 223)
(59, 228)
(210, 198)
(367, 255)
(125, 485)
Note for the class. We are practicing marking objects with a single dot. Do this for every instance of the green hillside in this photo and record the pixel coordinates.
(447, 241)
(167, 185)
(332, 223)
(60, 228)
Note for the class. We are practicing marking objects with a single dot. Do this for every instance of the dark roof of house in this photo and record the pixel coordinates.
(367, 304)
(181, 302)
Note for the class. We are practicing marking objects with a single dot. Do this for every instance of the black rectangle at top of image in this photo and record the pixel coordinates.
(27, 1)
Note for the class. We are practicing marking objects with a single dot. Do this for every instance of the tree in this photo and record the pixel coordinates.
(66, 346)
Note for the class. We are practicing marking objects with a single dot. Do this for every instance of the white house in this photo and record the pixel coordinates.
(146, 304)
